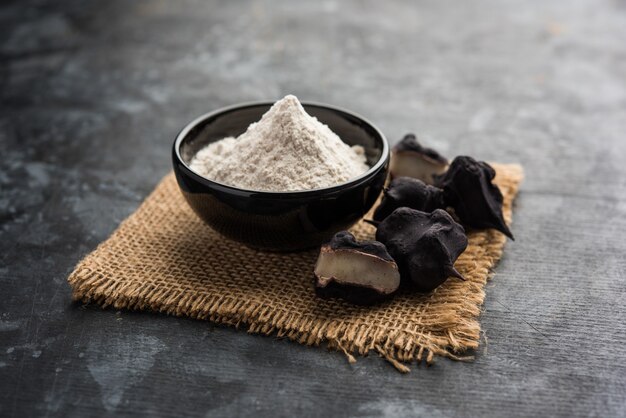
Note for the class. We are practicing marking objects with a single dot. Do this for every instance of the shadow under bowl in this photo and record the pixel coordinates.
(280, 221)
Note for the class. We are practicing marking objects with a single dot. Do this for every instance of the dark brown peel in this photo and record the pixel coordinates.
(469, 189)
(409, 192)
(360, 273)
(425, 245)
(411, 159)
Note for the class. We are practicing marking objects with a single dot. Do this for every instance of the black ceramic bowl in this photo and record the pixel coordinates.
(280, 221)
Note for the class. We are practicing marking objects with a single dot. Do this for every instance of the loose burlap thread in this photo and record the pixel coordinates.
(163, 258)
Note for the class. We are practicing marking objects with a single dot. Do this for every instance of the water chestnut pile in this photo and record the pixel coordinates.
(420, 227)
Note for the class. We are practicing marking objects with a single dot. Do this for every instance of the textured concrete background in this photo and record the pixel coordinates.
(92, 94)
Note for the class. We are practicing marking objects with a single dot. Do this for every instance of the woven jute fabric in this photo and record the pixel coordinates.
(163, 258)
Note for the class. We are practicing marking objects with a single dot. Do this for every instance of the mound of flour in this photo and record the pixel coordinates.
(286, 150)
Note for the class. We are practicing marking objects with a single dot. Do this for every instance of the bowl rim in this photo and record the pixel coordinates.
(384, 156)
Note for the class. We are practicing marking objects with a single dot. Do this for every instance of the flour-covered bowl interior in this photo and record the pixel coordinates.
(286, 150)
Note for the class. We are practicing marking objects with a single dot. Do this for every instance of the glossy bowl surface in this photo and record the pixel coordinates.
(280, 221)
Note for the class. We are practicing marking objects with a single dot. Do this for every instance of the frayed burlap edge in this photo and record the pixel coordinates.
(453, 332)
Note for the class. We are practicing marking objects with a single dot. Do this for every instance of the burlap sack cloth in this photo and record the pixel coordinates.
(163, 258)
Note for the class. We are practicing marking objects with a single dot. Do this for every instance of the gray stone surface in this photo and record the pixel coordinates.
(92, 94)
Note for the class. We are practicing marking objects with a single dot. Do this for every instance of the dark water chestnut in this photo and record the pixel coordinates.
(411, 193)
(358, 272)
(469, 189)
(424, 245)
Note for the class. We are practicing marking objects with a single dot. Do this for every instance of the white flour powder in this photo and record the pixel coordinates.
(286, 150)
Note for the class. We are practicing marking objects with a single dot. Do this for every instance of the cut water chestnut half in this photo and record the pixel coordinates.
(358, 272)
(411, 159)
